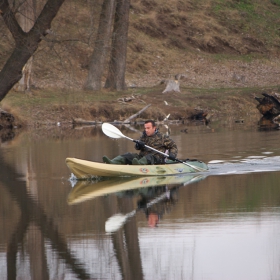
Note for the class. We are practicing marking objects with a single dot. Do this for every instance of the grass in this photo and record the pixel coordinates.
(255, 17)
(50, 107)
(24, 105)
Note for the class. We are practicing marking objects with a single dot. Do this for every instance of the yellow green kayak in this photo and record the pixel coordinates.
(83, 169)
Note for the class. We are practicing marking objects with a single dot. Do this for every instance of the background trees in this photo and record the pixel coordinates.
(28, 30)
(26, 16)
(165, 38)
(26, 43)
(119, 9)
(117, 65)
(98, 60)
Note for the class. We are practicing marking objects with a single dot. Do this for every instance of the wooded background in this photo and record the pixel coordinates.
(89, 44)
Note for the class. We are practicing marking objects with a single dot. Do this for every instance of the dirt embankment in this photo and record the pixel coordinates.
(41, 108)
(227, 51)
(213, 43)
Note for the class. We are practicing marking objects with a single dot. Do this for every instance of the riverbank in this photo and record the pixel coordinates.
(61, 107)
(227, 53)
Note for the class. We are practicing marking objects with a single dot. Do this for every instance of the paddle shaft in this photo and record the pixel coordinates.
(191, 166)
(114, 132)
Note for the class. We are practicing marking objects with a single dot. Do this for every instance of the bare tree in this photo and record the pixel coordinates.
(102, 44)
(26, 16)
(117, 65)
(26, 43)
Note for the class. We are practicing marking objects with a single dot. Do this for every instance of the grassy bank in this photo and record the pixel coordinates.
(48, 107)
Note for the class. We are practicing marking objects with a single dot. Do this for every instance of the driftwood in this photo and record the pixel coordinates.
(79, 121)
(137, 114)
(269, 105)
(199, 115)
(129, 99)
(84, 122)
(194, 114)
(126, 99)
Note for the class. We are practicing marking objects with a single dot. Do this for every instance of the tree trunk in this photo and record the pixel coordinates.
(26, 17)
(102, 42)
(117, 66)
(26, 42)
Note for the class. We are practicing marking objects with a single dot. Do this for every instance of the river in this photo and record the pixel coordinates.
(223, 224)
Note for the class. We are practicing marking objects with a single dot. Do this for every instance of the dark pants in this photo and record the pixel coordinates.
(151, 159)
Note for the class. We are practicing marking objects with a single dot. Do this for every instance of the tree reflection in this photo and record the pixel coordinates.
(126, 240)
(40, 225)
(34, 227)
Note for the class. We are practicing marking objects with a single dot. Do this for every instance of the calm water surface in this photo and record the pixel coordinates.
(221, 225)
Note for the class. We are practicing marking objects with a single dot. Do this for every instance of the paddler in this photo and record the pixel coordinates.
(152, 138)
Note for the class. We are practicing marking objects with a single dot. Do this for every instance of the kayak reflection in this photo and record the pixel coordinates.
(163, 198)
(86, 190)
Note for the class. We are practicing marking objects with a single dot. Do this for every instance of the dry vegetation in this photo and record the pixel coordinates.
(216, 44)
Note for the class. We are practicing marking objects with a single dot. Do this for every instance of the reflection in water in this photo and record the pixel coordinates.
(155, 211)
(115, 222)
(268, 124)
(34, 221)
(86, 189)
(6, 134)
(222, 227)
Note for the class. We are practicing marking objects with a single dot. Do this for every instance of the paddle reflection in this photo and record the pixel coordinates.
(86, 190)
(156, 196)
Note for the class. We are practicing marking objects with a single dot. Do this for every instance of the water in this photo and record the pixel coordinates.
(221, 225)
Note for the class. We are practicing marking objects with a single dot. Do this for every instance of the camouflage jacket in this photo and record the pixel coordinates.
(160, 142)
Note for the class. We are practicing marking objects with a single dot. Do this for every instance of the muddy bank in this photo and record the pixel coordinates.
(61, 107)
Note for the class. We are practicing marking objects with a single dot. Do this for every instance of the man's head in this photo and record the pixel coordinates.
(150, 127)
(153, 219)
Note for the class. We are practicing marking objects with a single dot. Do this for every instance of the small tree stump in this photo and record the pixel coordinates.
(172, 85)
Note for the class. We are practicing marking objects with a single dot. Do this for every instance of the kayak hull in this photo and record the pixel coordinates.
(83, 169)
(85, 190)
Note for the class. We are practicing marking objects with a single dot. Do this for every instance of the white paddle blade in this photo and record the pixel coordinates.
(115, 222)
(111, 131)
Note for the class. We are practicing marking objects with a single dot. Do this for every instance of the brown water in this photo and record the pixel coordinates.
(224, 225)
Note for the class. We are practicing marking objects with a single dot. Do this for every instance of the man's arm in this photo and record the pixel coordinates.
(171, 146)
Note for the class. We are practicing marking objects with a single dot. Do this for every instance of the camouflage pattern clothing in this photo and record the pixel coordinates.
(158, 141)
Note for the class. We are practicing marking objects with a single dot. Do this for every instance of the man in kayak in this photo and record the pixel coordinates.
(152, 138)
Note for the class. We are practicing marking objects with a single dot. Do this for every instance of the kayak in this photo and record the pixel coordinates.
(86, 190)
(84, 169)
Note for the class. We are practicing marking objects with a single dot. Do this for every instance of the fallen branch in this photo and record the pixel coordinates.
(84, 122)
(137, 114)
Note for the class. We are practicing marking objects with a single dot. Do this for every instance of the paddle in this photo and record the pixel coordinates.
(115, 222)
(114, 132)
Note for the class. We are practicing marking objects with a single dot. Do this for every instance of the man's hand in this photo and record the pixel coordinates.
(139, 145)
(171, 156)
